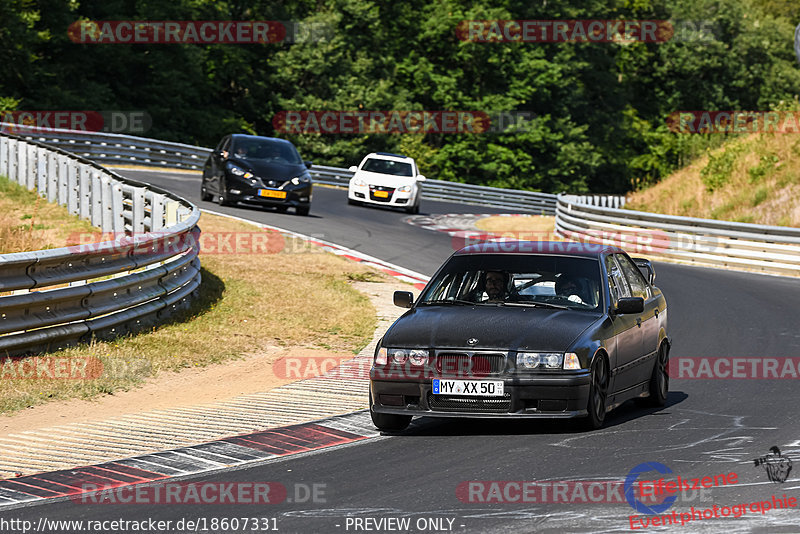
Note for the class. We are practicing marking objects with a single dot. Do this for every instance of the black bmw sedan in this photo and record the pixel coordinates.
(525, 329)
(257, 170)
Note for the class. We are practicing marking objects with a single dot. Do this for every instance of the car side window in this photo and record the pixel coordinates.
(225, 144)
(616, 280)
(634, 276)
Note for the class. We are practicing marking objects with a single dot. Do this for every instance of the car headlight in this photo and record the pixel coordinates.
(404, 189)
(382, 357)
(413, 356)
(540, 360)
(238, 171)
(359, 182)
(302, 179)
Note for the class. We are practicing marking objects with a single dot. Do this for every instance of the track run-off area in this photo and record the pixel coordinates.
(470, 475)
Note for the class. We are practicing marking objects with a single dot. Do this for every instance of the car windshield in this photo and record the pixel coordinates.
(385, 166)
(517, 280)
(264, 149)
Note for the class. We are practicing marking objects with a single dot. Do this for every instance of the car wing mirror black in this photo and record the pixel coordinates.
(403, 299)
(308, 164)
(646, 266)
(630, 305)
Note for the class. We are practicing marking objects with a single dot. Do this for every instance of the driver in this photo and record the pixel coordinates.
(495, 283)
(570, 288)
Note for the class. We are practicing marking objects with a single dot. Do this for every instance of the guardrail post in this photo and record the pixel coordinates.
(172, 213)
(12, 160)
(96, 200)
(138, 210)
(73, 195)
(3, 155)
(63, 180)
(157, 212)
(52, 177)
(41, 172)
(22, 164)
(117, 207)
(105, 203)
(85, 192)
(30, 176)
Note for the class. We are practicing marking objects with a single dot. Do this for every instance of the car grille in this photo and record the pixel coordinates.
(445, 403)
(388, 190)
(467, 365)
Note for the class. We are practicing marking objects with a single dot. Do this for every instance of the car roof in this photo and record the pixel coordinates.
(388, 156)
(258, 137)
(553, 248)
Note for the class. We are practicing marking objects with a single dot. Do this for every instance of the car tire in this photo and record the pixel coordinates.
(413, 209)
(302, 210)
(598, 394)
(205, 195)
(389, 422)
(659, 381)
(222, 197)
(353, 202)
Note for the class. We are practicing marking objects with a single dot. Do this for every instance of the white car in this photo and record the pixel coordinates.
(387, 180)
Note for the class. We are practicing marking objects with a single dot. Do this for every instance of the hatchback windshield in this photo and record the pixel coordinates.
(385, 166)
(517, 280)
(263, 149)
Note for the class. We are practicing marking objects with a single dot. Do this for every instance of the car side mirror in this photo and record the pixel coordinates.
(352, 168)
(403, 299)
(646, 266)
(630, 305)
(421, 178)
(308, 164)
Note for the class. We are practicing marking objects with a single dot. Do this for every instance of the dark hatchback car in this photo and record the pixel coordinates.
(524, 330)
(257, 170)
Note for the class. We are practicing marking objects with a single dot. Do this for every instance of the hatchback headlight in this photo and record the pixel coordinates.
(404, 189)
(302, 179)
(359, 182)
(539, 360)
(412, 356)
(238, 171)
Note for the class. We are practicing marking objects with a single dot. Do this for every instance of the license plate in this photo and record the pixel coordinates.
(482, 388)
(382, 194)
(271, 193)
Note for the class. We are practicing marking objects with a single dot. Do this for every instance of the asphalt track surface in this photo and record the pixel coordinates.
(709, 427)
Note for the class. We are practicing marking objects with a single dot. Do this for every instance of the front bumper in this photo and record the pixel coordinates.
(543, 397)
(395, 198)
(299, 195)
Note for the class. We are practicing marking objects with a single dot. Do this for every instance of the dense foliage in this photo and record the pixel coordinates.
(600, 108)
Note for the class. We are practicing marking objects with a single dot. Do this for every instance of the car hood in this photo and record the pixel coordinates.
(496, 328)
(386, 180)
(270, 170)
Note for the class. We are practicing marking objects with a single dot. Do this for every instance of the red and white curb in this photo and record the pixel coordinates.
(215, 455)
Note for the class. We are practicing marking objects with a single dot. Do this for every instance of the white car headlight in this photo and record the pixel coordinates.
(404, 189)
(359, 182)
(539, 360)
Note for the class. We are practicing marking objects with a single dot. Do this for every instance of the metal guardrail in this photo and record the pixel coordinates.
(120, 149)
(53, 298)
(769, 249)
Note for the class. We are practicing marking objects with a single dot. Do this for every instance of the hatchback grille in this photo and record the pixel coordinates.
(466, 365)
(444, 403)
